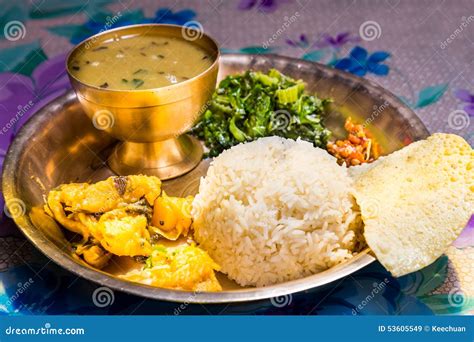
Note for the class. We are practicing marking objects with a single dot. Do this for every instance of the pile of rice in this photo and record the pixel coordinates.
(275, 210)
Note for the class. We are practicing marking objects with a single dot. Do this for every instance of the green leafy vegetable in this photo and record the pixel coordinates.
(137, 82)
(140, 71)
(148, 263)
(253, 105)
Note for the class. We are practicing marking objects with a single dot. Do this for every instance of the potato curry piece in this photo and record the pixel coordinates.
(120, 231)
(65, 202)
(185, 267)
(124, 216)
(93, 254)
(116, 213)
(172, 216)
(359, 147)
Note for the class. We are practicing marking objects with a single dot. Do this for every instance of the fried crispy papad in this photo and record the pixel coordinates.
(416, 201)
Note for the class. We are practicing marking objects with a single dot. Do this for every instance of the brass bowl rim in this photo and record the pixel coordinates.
(138, 91)
(53, 252)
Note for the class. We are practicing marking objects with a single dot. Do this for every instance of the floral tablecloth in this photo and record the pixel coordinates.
(420, 50)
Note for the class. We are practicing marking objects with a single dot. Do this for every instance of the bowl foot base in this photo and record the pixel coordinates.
(165, 159)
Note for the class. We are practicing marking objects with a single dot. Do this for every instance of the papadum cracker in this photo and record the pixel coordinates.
(416, 201)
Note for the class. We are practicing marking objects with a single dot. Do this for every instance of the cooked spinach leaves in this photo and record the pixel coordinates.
(253, 105)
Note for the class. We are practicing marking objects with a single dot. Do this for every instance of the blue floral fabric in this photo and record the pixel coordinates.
(360, 62)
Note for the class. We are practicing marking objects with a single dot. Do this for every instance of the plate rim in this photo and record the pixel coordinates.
(56, 254)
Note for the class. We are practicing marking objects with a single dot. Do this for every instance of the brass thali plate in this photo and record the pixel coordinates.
(59, 144)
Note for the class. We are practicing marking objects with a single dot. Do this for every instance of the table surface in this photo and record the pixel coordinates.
(420, 50)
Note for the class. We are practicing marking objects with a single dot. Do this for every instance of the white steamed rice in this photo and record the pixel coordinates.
(275, 210)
